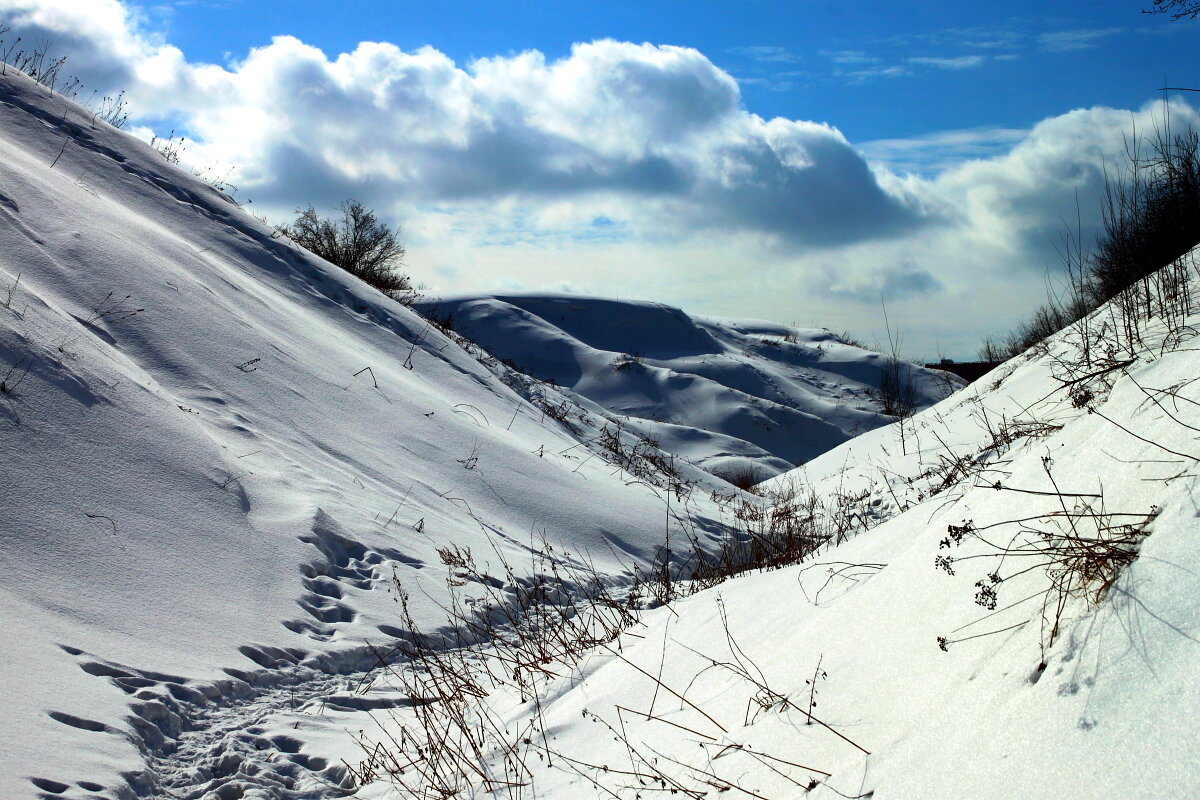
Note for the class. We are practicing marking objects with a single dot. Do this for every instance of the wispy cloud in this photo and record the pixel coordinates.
(858, 67)
(767, 53)
(849, 57)
(1177, 27)
(934, 153)
(774, 84)
(983, 38)
(894, 71)
(991, 44)
(1072, 40)
(958, 62)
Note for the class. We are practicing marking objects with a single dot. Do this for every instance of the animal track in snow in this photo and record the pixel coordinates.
(206, 740)
(345, 565)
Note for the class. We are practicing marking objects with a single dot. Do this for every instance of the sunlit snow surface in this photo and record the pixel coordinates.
(733, 396)
(219, 453)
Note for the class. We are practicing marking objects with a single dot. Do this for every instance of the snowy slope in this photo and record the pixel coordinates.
(733, 396)
(1010, 609)
(205, 495)
(218, 452)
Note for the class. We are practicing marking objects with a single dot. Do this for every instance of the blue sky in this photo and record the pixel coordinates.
(796, 161)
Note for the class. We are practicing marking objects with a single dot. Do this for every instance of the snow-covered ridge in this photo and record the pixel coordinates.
(735, 397)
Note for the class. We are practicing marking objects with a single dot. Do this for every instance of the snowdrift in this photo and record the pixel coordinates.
(736, 397)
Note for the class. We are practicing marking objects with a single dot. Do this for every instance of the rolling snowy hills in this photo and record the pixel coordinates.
(235, 482)
(222, 456)
(736, 397)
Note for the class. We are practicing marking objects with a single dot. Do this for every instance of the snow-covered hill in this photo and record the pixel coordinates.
(737, 397)
(234, 482)
(219, 451)
(1003, 603)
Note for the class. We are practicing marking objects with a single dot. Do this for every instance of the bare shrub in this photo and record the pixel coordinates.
(37, 63)
(169, 148)
(845, 337)
(628, 361)
(358, 243)
(14, 375)
(789, 525)
(10, 291)
(744, 478)
(112, 109)
(640, 456)
(897, 390)
(1081, 547)
(897, 385)
(1151, 218)
(1151, 213)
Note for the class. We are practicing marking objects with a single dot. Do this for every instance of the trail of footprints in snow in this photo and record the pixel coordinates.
(345, 564)
(208, 740)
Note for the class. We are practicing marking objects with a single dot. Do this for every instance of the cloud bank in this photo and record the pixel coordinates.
(622, 168)
(658, 123)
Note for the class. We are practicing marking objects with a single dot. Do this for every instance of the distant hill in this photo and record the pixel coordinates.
(735, 397)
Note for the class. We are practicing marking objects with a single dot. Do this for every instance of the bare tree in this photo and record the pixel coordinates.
(358, 243)
(1178, 9)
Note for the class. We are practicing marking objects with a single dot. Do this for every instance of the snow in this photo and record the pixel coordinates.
(732, 396)
(1093, 700)
(224, 457)
(196, 462)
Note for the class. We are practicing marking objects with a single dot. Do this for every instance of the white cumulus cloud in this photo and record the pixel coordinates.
(661, 124)
(624, 168)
